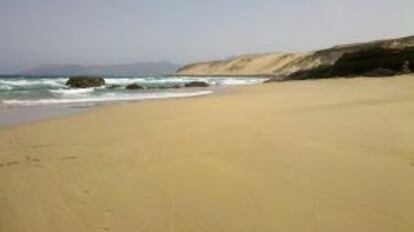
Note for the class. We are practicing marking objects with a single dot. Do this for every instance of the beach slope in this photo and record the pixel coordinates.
(327, 155)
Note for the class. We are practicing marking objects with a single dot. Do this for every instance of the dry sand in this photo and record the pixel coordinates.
(327, 155)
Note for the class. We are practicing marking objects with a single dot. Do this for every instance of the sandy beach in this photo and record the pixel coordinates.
(326, 155)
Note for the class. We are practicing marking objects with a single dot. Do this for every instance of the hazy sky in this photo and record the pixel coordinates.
(34, 32)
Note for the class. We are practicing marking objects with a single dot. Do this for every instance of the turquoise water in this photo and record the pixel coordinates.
(47, 90)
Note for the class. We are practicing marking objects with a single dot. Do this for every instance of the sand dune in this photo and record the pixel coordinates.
(326, 155)
(260, 64)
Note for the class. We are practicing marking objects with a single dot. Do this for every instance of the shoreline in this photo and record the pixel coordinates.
(45, 113)
(334, 155)
(51, 95)
(26, 115)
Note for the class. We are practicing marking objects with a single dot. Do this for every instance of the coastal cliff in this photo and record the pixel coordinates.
(316, 63)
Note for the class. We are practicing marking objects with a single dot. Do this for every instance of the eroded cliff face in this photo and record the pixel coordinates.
(285, 64)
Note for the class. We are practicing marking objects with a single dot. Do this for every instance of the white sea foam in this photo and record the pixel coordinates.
(60, 82)
(15, 82)
(54, 82)
(142, 80)
(57, 82)
(6, 87)
(123, 81)
(45, 91)
(217, 81)
(237, 81)
(72, 91)
(107, 98)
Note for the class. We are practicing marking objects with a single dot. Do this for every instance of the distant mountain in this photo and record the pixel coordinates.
(137, 69)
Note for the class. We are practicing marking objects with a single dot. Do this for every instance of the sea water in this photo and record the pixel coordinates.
(42, 90)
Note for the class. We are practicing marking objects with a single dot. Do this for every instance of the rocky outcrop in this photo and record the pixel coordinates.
(85, 82)
(113, 86)
(375, 61)
(196, 84)
(175, 86)
(133, 87)
(376, 58)
(298, 65)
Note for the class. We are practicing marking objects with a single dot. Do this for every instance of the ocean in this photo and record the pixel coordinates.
(44, 90)
(29, 98)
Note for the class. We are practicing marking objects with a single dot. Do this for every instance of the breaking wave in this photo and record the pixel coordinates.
(110, 97)
(26, 91)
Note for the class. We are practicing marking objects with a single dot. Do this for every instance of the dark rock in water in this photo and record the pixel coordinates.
(167, 87)
(134, 87)
(85, 82)
(113, 86)
(174, 86)
(196, 84)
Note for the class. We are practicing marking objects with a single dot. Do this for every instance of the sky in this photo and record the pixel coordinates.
(35, 32)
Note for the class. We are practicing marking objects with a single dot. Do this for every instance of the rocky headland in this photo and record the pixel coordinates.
(378, 58)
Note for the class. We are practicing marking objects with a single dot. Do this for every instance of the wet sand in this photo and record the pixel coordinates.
(325, 155)
(26, 115)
